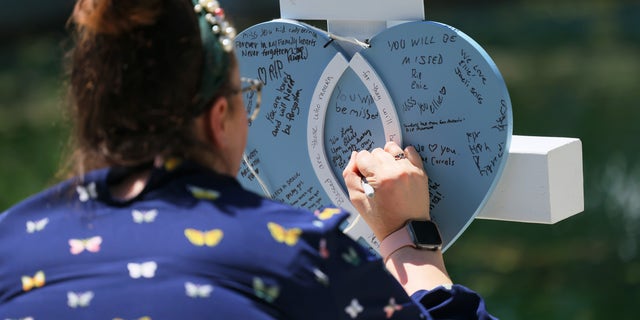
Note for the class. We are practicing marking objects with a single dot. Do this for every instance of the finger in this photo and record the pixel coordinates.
(351, 165)
(414, 157)
(392, 148)
(351, 174)
(381, 155)
(366, 162)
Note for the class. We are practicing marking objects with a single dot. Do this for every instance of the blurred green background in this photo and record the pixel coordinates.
(573, 70)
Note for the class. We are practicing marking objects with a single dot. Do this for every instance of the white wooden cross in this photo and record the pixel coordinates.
(542, 181)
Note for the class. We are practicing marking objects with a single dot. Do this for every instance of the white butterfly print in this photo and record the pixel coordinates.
(79, 299)
(85, 193)
(77, 246)
(25, 318)
(140, 216)
(321, 277)
(353, 309)
(38, 225)
(198, 290)
(145, 269)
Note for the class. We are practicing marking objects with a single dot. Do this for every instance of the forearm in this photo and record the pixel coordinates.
(418, 269)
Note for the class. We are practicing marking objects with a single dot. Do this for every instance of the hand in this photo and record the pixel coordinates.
(401, 187)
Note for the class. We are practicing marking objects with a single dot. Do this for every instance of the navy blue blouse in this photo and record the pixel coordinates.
(195, 245)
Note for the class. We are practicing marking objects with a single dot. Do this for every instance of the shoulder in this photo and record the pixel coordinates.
(41, 201)
(64, 196)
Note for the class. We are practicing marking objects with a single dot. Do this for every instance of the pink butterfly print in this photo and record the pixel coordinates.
(324, 252)
(92, 244)
(391, 308)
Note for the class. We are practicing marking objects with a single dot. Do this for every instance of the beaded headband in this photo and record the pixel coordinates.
(217, 36)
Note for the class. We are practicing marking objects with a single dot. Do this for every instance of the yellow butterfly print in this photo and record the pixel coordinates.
(143, 318)
(37, 281)
(327, 213)
(265, 292)
(172, 163)
(204, 194)
(281, 234)
(199, 238)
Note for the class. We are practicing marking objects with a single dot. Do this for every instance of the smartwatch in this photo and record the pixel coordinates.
(420, 234)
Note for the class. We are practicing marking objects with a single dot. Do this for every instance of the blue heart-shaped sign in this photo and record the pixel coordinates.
(420, 83)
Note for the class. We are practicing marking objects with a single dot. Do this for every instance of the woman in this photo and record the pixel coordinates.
(153, 224)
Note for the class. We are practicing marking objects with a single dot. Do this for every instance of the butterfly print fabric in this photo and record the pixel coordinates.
(194, 245)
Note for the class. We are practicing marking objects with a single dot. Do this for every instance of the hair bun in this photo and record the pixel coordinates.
(114, 17)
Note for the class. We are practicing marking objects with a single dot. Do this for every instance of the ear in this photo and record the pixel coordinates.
(216, 125)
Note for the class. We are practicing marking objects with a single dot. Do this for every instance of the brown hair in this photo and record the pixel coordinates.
(134, 72)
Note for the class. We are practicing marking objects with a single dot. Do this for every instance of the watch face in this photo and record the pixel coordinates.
(425, 233)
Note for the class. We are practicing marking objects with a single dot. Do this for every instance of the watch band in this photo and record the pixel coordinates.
(396, 240)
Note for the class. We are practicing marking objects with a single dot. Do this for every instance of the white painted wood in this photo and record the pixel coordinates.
(542, 181)
(373, 10)
(360, 30)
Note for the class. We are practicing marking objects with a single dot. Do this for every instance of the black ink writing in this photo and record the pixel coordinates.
(485, 157)
(501, 122)
(285, 107)
(432, 105)
(423, 60)
(348, 140)
(466, 70)
(429, 125)
(355, 104)
(434, 194)
(271, 72)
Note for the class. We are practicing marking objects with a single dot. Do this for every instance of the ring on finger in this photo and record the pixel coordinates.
(400, 156)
